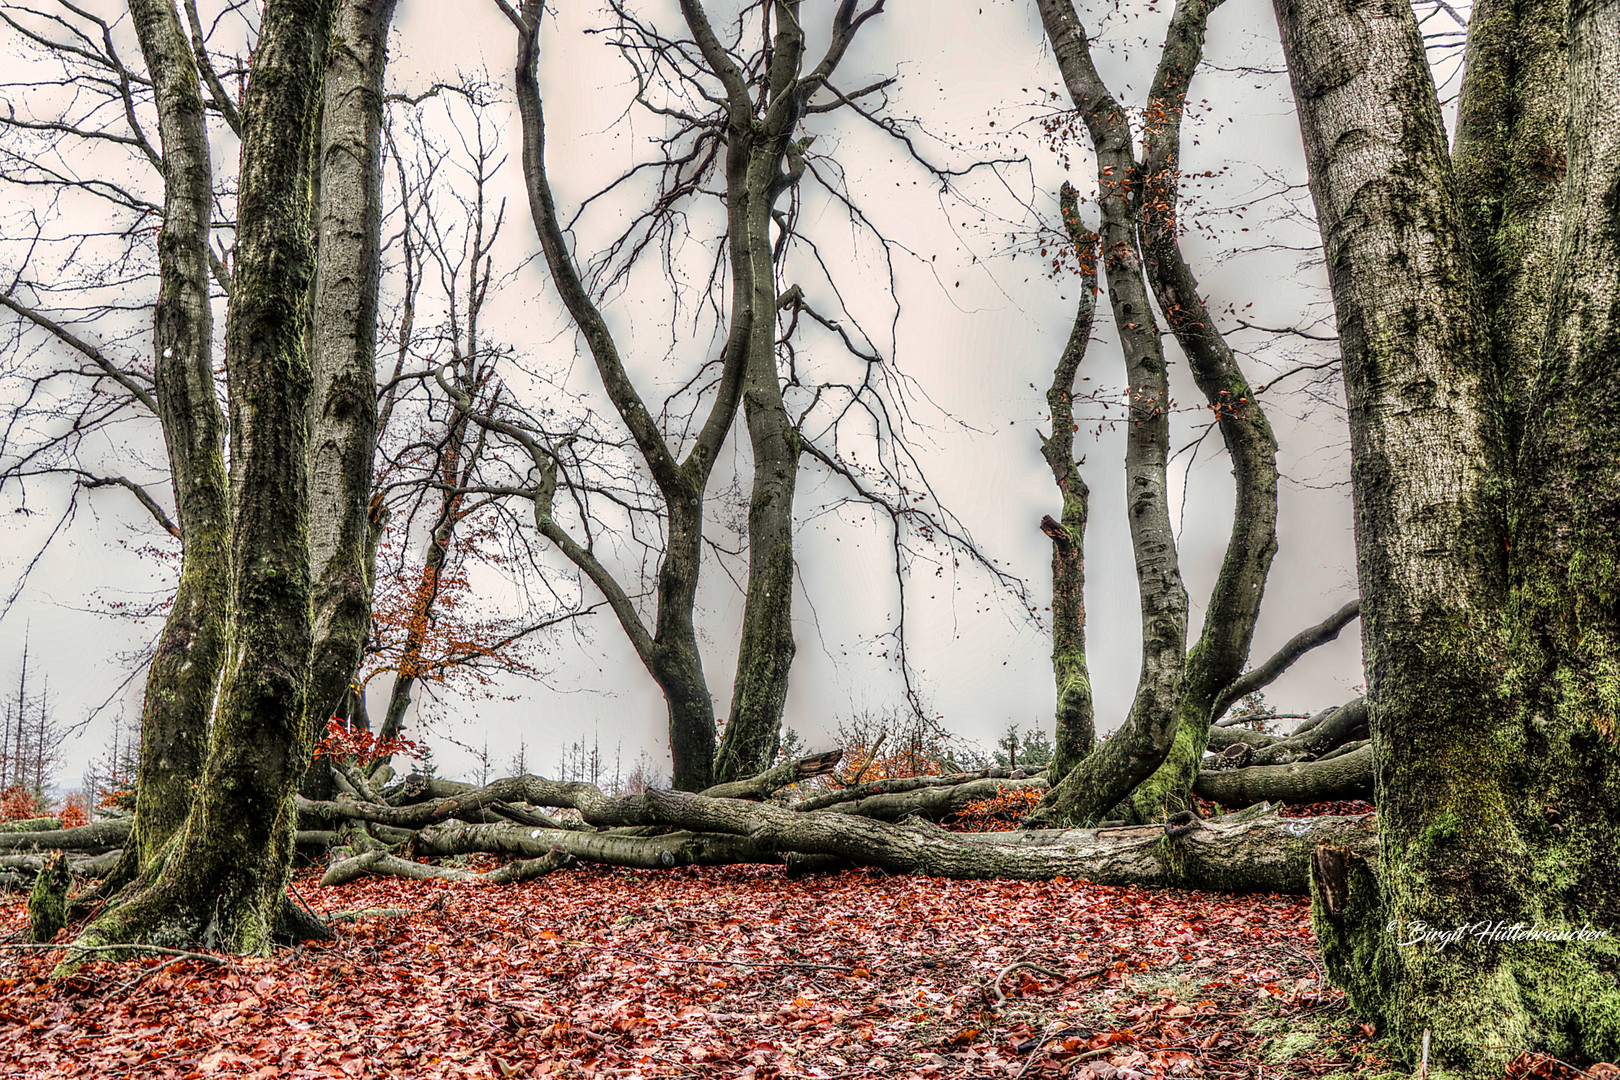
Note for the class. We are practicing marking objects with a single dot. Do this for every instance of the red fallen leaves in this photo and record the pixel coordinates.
(1532, 1066)
(1345, 807)
(712, 973)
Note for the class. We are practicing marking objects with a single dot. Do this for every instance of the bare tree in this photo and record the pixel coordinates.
(737, 114)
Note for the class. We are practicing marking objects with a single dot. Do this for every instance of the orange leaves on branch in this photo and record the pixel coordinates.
(75, 811)
(361, 746)
(19, 802)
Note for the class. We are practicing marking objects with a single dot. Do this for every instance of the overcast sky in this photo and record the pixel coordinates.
(977, 328)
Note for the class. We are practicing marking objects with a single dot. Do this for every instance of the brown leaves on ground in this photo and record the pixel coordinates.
(731, 972)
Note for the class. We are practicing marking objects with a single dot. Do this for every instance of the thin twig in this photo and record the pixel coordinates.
(183, 954)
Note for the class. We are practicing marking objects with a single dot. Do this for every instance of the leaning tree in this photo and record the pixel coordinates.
(1479, 314)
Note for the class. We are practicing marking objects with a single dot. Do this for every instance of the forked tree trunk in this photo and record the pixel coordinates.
(223, 881)
(1487, 500)
(1148, 767)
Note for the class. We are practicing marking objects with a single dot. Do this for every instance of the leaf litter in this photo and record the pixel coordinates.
(703, 973)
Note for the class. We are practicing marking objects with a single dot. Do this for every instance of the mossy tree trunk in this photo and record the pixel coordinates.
(772, 166)
(1113, 769)
(1150, 764)
(186, 664)
(1482, 363)
(1076, 727)
(343, 337)
(1222, 649)
(222, 880)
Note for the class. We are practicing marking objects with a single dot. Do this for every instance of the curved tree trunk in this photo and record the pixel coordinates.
(1076, 726)
(1114, 769)
(765, 653)
(1217, 658)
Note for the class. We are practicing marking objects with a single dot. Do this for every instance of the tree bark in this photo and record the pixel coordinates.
(670, 652)
(224, 880)
(1222, 648)
(1340, 726)
(97, 836)
(1346, 777)
(1075, 724)
(343, 336)
(1115, 768)
(1489, 605)
(765, 652)
(1262, 855)
(186, 664)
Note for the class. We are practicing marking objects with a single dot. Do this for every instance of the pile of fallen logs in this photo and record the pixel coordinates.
(1326, 759)
(375, 827)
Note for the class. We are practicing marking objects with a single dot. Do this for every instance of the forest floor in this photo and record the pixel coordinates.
(733, 972)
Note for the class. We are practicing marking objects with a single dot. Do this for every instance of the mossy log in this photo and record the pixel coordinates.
(38, 824)
(98, 836)
(1349, 776)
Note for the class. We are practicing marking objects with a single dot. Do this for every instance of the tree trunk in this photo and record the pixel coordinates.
(343, 402)
(670, 652)
(1222, 649)
(185, 666)
(1486, 556)
(1115, 768)
(223, 882)
(1075, 725)
(765, 653)
(1261, 855)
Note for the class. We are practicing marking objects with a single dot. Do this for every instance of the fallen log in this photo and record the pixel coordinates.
(668, 849)
(935, 803)
(774, 779)
(1348, 776)
(1339, 726)
(900, 784)
(38, 824)
(1267, 854)
(381, 862)
(98, 836)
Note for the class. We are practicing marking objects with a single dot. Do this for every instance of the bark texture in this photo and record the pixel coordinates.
(1076, 724)
(1484, 472)
(1148, 767)
(1349, 776)
(1115, 768)
(223, 881)
(343, 340)
(1222, 649)
(186, 664)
